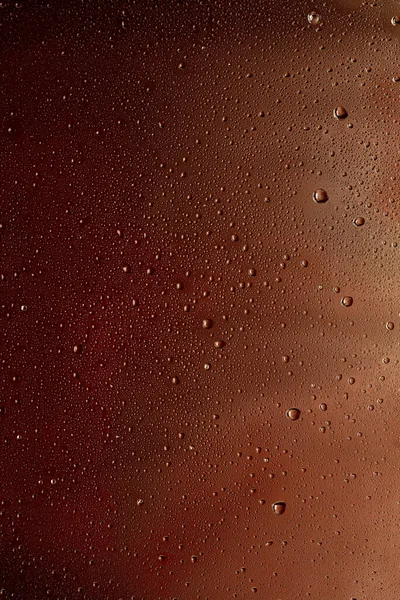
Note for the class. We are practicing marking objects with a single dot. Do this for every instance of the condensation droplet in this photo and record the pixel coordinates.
(293, 414)
(340, 112)
(207, 323)
(390, 325)
(313, 18)
(320, 196)
(395, 20)
(279, 508)
(359, 221)
(347, 301)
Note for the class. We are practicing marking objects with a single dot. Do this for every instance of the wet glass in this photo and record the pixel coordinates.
(200, 300)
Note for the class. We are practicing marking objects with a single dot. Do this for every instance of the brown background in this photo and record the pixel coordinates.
(137, 139)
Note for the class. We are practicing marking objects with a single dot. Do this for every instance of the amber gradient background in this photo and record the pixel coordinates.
(153, 153)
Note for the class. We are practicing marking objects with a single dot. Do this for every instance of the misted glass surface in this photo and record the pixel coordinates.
(200, 300)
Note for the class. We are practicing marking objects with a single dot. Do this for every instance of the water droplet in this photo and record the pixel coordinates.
(279, 508)
(139, 502)
(24, 308)
(207, 323)
(219, 344)
(175, 380)
(320, 196)
(323, 406)
(193, 559)
(313, 18)
(304, 263)
(293, 414)
(390, 325)
(252, 272)
(340, 112)
(347, 301)
(285, 358)
(78, 349)
(395, 20)
(358, 221)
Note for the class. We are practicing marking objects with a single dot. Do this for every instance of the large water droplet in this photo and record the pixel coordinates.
(279, 508)
(320, 195)
(207, 323)
(359, 221)
(313, 18)
(347, 301)
(340, 112)
(219, 344)
(293, 414)
(395, 20)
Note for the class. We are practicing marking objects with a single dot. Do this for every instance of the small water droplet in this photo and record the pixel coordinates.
(293, 414)
(323, 406)
(320, 196)
(24, 308)
(279, 508)
(347, 301)
(359, 221)
(390, 325)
